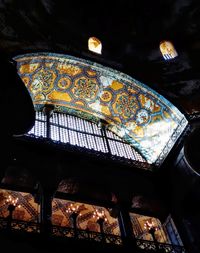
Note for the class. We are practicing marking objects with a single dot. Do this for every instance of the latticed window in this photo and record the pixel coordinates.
(40, 128)
(76, 131)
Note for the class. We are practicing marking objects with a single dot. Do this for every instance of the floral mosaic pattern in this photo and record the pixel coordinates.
(43, 81)
(142, 117)
(126, 106)
(85, 88)
(133, 111)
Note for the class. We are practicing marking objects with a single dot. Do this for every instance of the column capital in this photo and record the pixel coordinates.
(48, 109)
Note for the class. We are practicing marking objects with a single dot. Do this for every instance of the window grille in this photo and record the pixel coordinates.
(76, 131)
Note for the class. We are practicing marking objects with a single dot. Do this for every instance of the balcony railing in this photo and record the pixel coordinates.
(78, 234)
(17, 225)
(31, 138)
(159, 247)
(86, 235)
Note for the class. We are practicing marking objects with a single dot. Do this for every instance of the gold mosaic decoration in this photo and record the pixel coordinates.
(133, 111)
(28, 210)
(85, 219)
(139, 231)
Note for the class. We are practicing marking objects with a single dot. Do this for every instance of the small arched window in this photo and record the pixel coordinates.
(94, 45)
(167, 49)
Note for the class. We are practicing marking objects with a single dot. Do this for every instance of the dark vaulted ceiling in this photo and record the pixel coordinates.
(130, 32)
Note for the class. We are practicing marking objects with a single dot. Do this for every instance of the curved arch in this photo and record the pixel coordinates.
(133, 111)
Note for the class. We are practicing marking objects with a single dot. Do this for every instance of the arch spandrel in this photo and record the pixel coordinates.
(133, 111)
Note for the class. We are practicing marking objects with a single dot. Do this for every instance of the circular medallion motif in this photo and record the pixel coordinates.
(126, 105)
(142, 117)
(43, 81)
(106, 96)
(85, 88)
(63, 83)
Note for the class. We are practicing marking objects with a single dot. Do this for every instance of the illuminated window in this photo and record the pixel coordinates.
(167, 49)
(120, 148)
(70, 129)
(40, 125)
(94, 45)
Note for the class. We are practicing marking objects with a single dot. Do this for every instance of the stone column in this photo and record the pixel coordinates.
(125, 226)
(48, 111)
(46, 211)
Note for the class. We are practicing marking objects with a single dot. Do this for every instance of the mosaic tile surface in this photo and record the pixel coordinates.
(84, 221)
(28, 210)
(139, 232)
(134, 112)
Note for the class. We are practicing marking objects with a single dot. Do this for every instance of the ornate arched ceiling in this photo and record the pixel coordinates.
(132, 110)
